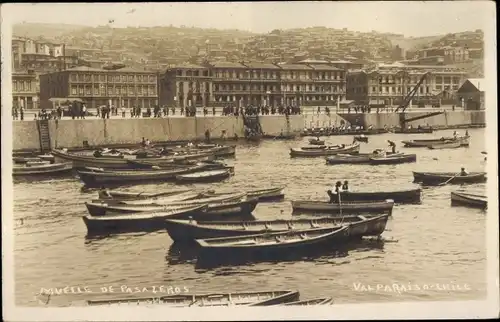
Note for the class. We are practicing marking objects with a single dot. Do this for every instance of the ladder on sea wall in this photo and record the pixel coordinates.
(44, 135)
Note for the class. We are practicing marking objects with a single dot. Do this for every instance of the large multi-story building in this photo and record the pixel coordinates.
(96, 87)
(450, 54)
(389, 84)
(24, 90)
(244, 83)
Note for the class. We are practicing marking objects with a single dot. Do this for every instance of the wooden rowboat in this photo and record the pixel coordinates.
(464, 141)
(105, 194)
(394, 159)
(361, 139)
(446, 145)
(316, 142)
(344, 208)
(262, 298)
(469, 200)
(266, 194)
(289, 241)
(42, 169)
(162, 200)
(434, 178)
(189, 230)
(414, 130)
(138, 222)
(205, 176)
(359, 158)
(399, 196)
(318, 301)
(99, 179)
(299, 152)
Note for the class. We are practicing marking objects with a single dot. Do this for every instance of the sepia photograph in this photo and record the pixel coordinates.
(249, 161)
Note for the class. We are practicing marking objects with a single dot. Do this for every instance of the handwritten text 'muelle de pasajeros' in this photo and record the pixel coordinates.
(155, 289)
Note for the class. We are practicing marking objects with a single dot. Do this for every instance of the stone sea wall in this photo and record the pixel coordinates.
(72, 133)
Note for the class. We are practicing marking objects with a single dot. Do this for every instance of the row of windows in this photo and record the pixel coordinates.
(411, 80)
(194, 86)
(229, 98)
(21, 86)
(112, 78)
(284, 88)
(101, 90)
(205, 73)
(246, 74)
(312, 75)
(398, 89)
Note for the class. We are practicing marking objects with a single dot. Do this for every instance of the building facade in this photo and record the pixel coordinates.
(97, 87)
(390, 84)
(450, 54)
(25, 90)
(246, 83)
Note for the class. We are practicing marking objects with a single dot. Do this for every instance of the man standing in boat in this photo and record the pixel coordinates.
(463, 172)
(392, 145)
(345, 186)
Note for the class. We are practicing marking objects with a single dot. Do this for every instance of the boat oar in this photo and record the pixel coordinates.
(444, 183)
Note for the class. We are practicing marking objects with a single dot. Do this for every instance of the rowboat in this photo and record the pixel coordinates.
(162, 200)
(446, 145)
(432, 178)
(172, 161)
(414, 130)
(138, 222)
(344, 207)
(464, 141)
(42, 169)
(129, 195)
(266, 194)
(218, 151)
(280, 137)
(262, 298)
(216, 205)
(289, 241)
(361, 138)
(401, 196)
(359, 158)
(205, 176)
(469, 200)
(299, 152)
(98, 179)
(316, 142)
(189, 230)
(394, 159)
(318, 301)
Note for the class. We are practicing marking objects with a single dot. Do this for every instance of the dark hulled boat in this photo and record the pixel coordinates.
(358, 158)
(103, 178)
(446, 145)
(105, 194)
(329, 150)
(189, 230)
(316, 142)
(138, 222)
(393, 159)
(261, 298)
(435, 178)
(414, 130)
(464, 141)
(363, 139)
(204, 176)
(402, 196)
(469, 200)
(344, 207)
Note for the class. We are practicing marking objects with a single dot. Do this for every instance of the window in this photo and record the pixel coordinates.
(110, 90)
(80, 90)
(88, 90)
(124, 78)
(88, 78)
(103, 90)
(374, 89)
(96, 78)
(21, 86)
(73, 77)
(102, 78)
(96, 90)
(14, 86)
(139, 90)
(28, 86)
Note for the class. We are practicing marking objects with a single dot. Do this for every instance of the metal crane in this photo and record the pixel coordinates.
(411, 94)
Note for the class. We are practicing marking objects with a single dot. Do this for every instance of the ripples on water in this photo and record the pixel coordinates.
(427, 244)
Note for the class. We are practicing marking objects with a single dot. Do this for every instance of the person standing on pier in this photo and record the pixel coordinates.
(392, 145)
(84, 111)
(21, 112)
(213, 110)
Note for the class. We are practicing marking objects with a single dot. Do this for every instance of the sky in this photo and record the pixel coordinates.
(413, 18)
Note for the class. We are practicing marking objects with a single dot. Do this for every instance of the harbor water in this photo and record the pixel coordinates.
(429, 251)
